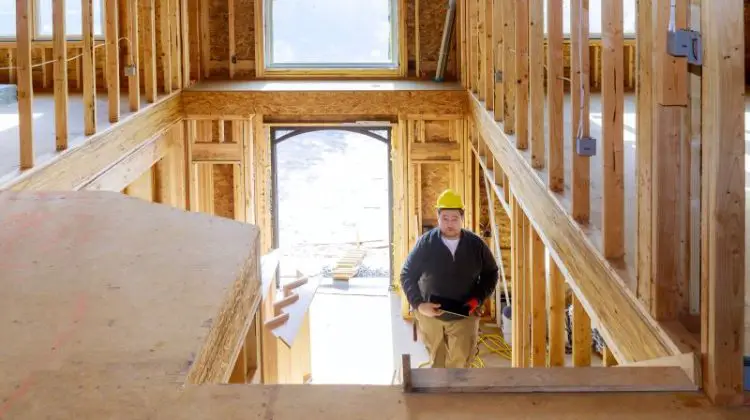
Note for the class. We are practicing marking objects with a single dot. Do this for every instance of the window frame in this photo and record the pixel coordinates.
(264, 67)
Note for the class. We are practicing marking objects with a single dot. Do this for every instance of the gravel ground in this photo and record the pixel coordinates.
(333, 192)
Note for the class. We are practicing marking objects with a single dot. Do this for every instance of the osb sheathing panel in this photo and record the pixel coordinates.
(219, 29)
(290, 103)
(437, 131)
(435, 179)
(224, 190)
(431, 22)
(244, 30)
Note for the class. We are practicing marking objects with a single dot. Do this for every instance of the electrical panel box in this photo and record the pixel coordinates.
(586, 146)
(685, 43)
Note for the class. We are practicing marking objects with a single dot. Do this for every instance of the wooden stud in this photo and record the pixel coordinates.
(536, 81)
(113, 60)
(24, 85)
(232, 42)
(481, 53)
(608, 359)
(555, 94)
(498, 52)
(134, 81)
(473, 45)
(509, 66)
(644, 124)
(417, 53)
(60, 51)
(522, 74)
(613, 102)
(185, 37)
(489, 56)
(581, 335)
(670, 72)
(165, 51)
(89, 69)
(149, 48)
(579, 47)
(556, 305)
(537, 294)
(12, 66)
(515, 218)
(174, 44)
(723, 201)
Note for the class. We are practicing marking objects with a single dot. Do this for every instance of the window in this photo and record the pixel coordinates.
(338, 34)
(7, 18)
(595, 17)
(73, 18)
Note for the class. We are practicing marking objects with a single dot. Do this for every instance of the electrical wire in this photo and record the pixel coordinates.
(44, 63)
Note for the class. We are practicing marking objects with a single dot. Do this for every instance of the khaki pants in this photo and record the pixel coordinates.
(450, 344)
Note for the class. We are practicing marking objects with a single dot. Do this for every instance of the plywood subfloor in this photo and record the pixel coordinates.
(44, 127)
(99, 288)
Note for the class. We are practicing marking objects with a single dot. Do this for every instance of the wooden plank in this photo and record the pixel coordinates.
(417, 55)
(556, 379)
(96, 153)
(185, 32)
(24, 85)
(522, 74)
(555, 92)
(473, 44)
(113, 60)
(205, 16)
(536, 82)
(613, 102)
(142, 187)
(60, 51)
(689, 362)
(293, 104)
(608, 359)
(509, 66)
(537, 295)
(670, 72)
(644, 147)
(232, 42)
(579, 73)
(134, 81)
(723, 218)
(489, 55)
(481, 51)
(581, 325)
(556, 309)
(148, 19)
(174, 44)
(89, 69)
(165, 49)
(621, 320)
(130, 168)
(297, 310)
(436, 151)
(499, 52)
(515, 263)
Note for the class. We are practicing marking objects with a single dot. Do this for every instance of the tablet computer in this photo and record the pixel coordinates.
(451, 306)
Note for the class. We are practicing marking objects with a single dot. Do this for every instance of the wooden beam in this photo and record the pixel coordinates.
(489, 55)
(230, 28)
(522, 74)
(174, 44)
(555, 93)
(723, 218)
(558, 379)
(60, 51)
(536, 81)
(24, 85)
(412, 103)
(579, 74)
(149, 48)
(131, 167)
(185, 31)
(538, 298)
(581, 326)
(623, 323)
(613, 85)
(436, 152)
(556, 309)
(113, 59)
(165, 51)
(217, 152)
(498, 51)
(205, 16)
(96, 153)
(509, 66)
(670, 72)
(89, 69)
(134, 81)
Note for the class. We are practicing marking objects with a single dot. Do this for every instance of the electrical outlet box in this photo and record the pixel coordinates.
(685, 43)
(586, 146)
(130, 70)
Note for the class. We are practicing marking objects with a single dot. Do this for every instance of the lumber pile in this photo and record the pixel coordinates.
(348, 264)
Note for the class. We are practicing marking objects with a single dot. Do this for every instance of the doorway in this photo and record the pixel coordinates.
(332, 195)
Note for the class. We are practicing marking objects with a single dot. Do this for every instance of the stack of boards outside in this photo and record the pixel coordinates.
(349, 264)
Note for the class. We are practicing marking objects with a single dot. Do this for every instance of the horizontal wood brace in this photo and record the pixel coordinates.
(217, 152)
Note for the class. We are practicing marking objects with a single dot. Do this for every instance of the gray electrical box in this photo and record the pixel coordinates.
(685, 43)
(586, 146)
(130, 70)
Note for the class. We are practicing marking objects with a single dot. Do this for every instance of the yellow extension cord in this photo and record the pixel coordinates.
(495, 343)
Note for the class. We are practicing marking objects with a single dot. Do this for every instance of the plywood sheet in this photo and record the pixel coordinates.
(98, 287)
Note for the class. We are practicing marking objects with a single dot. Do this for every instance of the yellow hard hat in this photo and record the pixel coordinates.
(449, 200)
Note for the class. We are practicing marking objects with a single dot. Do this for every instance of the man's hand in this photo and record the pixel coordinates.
(429, 309)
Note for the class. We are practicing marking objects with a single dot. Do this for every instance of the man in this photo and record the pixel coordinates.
(453, 268)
